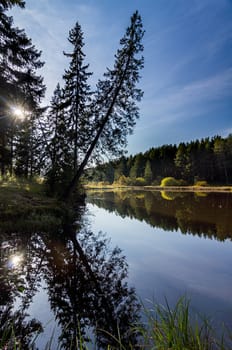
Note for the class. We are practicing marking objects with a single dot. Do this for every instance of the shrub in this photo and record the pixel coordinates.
(201, 183)
(140, 181)
(103, 183)
(171, 181)
(156, 181)
(122, 180)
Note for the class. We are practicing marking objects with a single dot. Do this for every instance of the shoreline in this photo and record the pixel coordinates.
(208, 189)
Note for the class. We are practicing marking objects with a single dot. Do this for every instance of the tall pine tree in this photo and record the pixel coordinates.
(77, 96)
(114, 109)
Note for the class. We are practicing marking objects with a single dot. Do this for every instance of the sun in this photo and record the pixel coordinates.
(18, 112)
(15, 260)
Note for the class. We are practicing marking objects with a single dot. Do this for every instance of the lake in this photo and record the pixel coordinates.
(175, 244)
(89, 272)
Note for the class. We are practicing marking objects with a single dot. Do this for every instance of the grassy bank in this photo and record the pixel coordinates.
(25, 205)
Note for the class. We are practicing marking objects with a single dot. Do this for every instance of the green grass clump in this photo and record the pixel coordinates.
(177, 329)
(164, 328)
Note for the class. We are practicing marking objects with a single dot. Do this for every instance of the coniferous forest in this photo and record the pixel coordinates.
(207, 160)
(81, 122)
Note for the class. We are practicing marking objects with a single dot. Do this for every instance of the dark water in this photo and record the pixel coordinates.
(69, 279)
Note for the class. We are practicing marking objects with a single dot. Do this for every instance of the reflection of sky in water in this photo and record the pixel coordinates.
(41, 310)
(163, 263)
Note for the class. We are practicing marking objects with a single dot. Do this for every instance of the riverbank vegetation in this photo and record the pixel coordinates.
(25, 204)
(163, 327)
(201, 163)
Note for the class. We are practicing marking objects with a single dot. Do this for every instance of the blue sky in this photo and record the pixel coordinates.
(187, 78)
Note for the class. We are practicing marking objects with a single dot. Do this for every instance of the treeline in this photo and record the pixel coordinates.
(208, 160)
(80, 123)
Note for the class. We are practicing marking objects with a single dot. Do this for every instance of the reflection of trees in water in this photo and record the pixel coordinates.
(18, 280)
(204, 215)
(86, 285)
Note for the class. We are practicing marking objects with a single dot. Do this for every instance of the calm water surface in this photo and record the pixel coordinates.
(175, 244)
(69, 278)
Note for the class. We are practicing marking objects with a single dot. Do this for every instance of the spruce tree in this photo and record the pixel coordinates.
(77, 96)
(148, 173)
(114, 109)
(58, 149)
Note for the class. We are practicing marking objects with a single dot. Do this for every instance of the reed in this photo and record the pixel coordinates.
(164, 328)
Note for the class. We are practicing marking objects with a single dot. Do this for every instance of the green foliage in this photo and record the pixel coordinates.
(123, 180)
(208, 159)
(201, 183)
(176, 328)
(171, 181)
(137, 169)
(148, 172)
(157, 181)
(166, 327)
(139, 181)
(128, 181)
(121, 169)
(22, 87)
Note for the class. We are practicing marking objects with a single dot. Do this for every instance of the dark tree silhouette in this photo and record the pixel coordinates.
(88, 289)
(114, 108)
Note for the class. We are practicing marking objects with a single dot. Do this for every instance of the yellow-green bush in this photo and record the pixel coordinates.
(140, 181)
(171, 181)
(202, 183)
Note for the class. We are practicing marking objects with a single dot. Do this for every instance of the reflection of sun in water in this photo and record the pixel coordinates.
(15, 260)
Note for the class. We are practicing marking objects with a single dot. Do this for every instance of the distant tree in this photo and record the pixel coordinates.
(220, 150)
(229, 157)
(182, 161)
(137, 169)
(109, 173)
(120, 169)
(199, 160)
(148, 172)
(154, 156)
